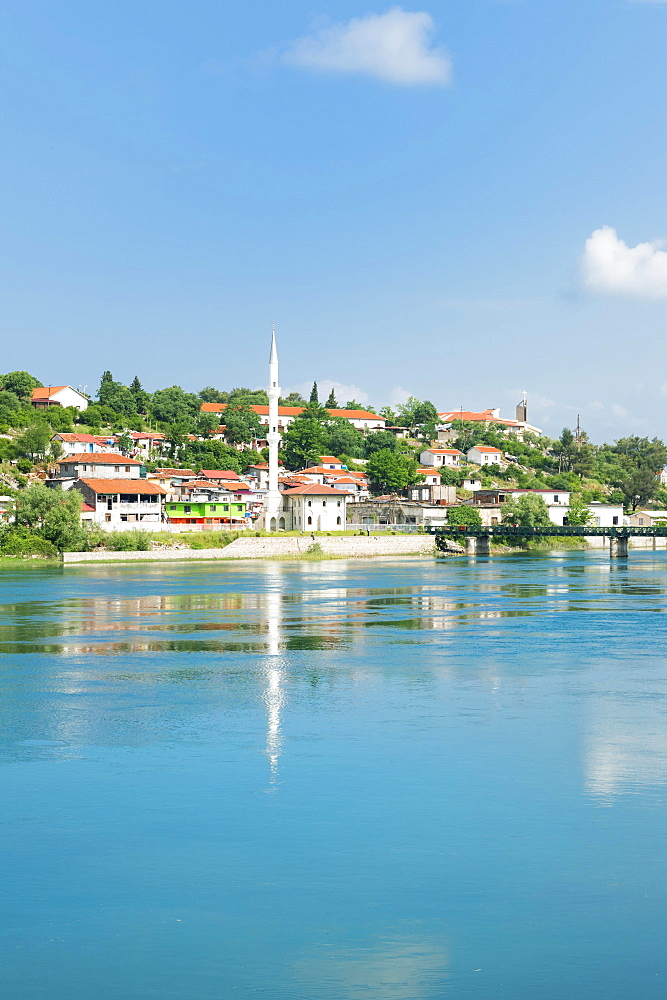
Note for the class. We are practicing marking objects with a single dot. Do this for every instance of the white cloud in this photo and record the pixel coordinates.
(394, 47)
(610, 267)
(399, 395)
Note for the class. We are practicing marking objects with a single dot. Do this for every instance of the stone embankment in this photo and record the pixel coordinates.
(341, 546)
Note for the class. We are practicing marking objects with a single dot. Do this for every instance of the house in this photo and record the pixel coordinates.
(58, 395)
(482, 454)
(647, 518)
(219, 475)
(438, 457)
(5, 507)
(99, 465)
(329, 462)
(392, 509)
(485, 418)
(471, 483)
(357, 488)
(119, 503)
(207, 505)
(431, 476)
(662, 476)
(147, 443)
(313, 508)
(76, 444)
(605, 515)
(166, 478)
(363, 420)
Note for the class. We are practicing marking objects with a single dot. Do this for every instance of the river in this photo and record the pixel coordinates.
(363, 780)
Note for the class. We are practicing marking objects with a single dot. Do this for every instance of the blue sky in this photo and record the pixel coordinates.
(458, 200)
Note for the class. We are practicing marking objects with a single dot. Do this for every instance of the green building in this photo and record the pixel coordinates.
(205, 511)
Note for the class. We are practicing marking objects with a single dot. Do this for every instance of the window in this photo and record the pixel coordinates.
(107, 517)
(188, 508)
(310, 503)
(116, 468)
(556, 498)
(324, 503)
(614, 520)
(338, 520)
(127, 468)
(211, 506)
(641, 520)
(338, 503)
(310, 520)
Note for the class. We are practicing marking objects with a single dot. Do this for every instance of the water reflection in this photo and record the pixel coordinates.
(274, 698)
(625, 750)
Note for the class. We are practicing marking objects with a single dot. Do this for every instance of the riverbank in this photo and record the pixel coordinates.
(291, 547)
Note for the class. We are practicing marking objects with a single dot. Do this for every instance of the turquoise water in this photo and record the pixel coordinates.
(395, 780)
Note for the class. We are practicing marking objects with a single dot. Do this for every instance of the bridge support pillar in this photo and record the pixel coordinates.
(483, 545)
(471, 545)
(618, 547)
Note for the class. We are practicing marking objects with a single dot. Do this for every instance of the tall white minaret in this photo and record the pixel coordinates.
(273, 499)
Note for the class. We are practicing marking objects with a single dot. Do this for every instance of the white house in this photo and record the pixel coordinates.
(605, 515)
(441, 456)
(330, 462)
(118, 502)
(147, 443)
(58, 395)
(313, 508)
(431, 476)
(99, 466)
(77, 444)
(483, 454)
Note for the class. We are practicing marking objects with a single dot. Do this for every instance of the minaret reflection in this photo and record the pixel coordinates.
(274, 697)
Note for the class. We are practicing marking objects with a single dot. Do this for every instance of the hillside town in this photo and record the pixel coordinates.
(175, 462)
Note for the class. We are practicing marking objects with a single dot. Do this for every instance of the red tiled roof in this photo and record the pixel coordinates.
(147, 436)
(316, 469)
(86, 508)
(174, 472)
(293, 411)
(231, 487)
(123, 486)
(218, 474)
(330, 458)
(259, 465)
(484, 447)
(47, 391)
(315, 488)
(82, 438)
(444, 451)
(98, 458)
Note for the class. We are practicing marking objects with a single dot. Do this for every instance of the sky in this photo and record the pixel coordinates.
(455, 200)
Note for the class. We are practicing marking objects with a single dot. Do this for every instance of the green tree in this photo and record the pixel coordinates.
(578, 514)
(21, 383)
(34, 442)
(306, 438)
(209, 394)
(344, 439)
(176, 436)
(116, 396)
(420, 416)
(528, 511)
(242, 425)
(140, 396)
(331, 403)
(213, 454)
(449, 477)
(174, 406)
(391, 472)
(379, 441)
(252, 397)
(640, 461)
(314, 398)
(294, 399)
(53, 514)
(208, 423)
(125, 442)
(464, 516)
(389, 416)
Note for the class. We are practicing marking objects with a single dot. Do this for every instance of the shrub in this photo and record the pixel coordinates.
(24, 543)
(128, 541)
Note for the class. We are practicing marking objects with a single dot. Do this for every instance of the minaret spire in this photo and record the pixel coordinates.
(273, 499)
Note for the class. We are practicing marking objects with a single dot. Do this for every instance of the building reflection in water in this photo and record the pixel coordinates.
(626, 750)
(274, 697)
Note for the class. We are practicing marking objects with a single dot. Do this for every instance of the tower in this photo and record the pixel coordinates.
(522, 409)
(273, 499)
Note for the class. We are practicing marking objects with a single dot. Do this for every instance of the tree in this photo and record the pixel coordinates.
(140, 396)
(242, 425)
(176, 435)
(640, 461)
(116, 396)
(529, 511)
(174, 406)
(419, 416)
(578, 514)
(449, 477)
(34, 442)
(344, 439)
(464, 516)
(213, 455)
(209, 394)
(53, 514)
(389, 415)
(208, 423)
(390, 472)
(294, 399)
(21, 383)
(313, 394)
(331, 403)
(379, 441)
(306, 438)
(125, 442)
(253, 397)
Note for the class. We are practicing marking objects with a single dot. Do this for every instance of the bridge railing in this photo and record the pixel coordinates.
(553, 531)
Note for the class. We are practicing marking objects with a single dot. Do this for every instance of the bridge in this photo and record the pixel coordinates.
(478, 539)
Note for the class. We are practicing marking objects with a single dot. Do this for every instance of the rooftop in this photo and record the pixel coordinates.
(315, 489)
(98, 458)
(123, 486)
(293, 411)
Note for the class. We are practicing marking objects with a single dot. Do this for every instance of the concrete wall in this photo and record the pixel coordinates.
(267, 548)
